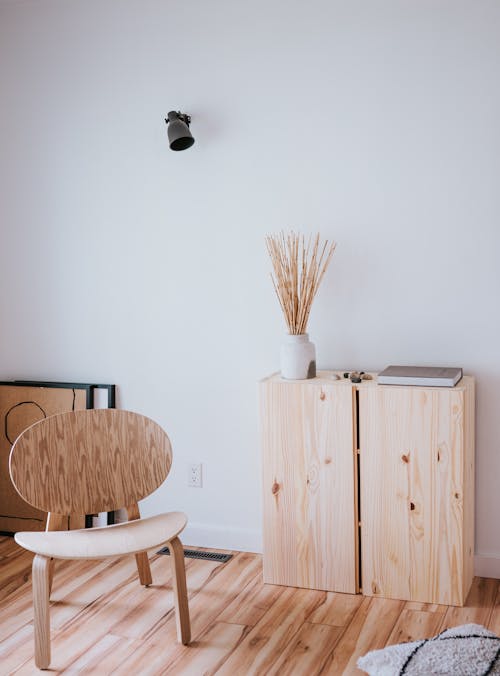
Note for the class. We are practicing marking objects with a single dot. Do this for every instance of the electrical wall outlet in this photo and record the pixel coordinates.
(195, 475)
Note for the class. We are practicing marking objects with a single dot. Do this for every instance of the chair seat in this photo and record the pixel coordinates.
(98, 543)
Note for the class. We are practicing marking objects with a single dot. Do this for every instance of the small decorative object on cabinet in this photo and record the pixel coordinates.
(369, 487)
(298, 271)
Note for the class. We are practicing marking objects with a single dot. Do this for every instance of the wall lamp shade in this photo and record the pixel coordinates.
(179, 136)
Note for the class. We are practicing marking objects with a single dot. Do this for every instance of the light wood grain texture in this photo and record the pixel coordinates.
(369, 629)
(479, 606)
(180, 591)
(494, 621)
(55, 522)
(20, 407)
(209, 652)
(252, 603)
(98, 543)
(413, 625)
(109, 458)
(143, 567)
(309, 478)
(104, 623)
(92, 461)
(415, 507)
(16, 574)
(468, 485)
(308, 650)
(258, 651)
(337, 609)
(209, 594)
(427, 607)
(17, 648)
(41, 566)
(75, 522)
(209, 598)
(100, 657)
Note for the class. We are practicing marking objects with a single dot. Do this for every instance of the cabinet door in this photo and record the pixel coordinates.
(310, 520)
(412, 493)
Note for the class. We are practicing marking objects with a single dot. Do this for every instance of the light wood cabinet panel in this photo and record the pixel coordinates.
(416, 492)
(414, 489)
(309, 471)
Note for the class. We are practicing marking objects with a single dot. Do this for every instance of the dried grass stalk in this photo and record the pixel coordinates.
(298, 271)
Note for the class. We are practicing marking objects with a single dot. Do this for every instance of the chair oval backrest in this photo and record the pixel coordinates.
(83, 462)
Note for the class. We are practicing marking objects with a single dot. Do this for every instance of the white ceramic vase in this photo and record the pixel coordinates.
(298, 358)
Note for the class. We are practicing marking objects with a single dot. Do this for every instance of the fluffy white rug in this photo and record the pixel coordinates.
(469, 650)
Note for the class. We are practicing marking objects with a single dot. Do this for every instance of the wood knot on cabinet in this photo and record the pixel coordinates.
(412, 506)
(405, 458)
(322, 396)
(375, 588)
(275, 489)
(328, 461)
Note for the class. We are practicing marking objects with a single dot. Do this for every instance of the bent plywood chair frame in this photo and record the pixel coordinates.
(91, 461)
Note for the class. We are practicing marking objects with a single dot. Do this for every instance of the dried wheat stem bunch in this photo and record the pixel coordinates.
(298, 271)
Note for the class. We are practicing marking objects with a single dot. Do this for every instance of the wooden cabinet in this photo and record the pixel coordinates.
(310, 529)
(372, 473)
(417, 492)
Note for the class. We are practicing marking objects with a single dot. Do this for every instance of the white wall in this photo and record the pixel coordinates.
(375, 122)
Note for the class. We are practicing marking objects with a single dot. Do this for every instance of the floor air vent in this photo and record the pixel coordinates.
(199, 554)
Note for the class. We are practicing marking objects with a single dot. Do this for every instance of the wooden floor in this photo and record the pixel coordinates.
(104, 622)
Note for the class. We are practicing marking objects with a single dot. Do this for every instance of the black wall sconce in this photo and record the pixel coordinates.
(179, 136)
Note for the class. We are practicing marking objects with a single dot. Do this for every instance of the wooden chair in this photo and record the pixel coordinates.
(91, 461)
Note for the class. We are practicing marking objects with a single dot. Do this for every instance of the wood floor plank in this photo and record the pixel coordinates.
(307, 652)
(158, 643)
(72, 600)
(413, 625)
(16, 571)
(104, 622)
(96, 599)
(16, 610)
(76, 584)
(478, 607)
(494, 621)
(8, 546)
(370, 628)
(17, 649)
(207, 605)
(337, 610)
(101, 656)
(206, 655)
(427, 607)
(254, 601)
(79, 636)
(147, 658)
(260, 649)
(218, 592)
(116, 612)
(109, 662)
(157, 603)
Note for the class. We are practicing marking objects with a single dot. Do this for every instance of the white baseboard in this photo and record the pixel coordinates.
(218, 537)
(487, 565)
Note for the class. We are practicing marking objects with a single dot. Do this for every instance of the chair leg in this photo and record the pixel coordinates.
(143, 568)
(52, 565)
(41, 566)
(180, 591)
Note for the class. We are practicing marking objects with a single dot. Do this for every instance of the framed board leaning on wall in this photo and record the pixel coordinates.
(23, 403)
